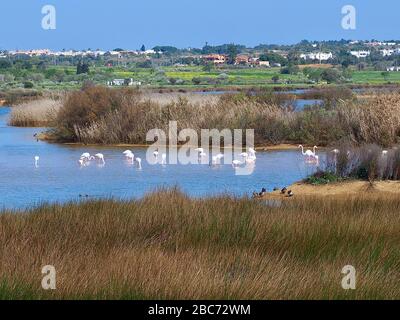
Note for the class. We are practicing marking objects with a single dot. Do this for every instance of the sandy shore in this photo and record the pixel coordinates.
(337, 189)
(280, 147)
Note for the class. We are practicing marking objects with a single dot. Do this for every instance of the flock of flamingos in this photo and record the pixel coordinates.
(248, 157)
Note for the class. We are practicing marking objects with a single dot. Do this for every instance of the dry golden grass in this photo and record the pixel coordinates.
(192, 98)
(35, 113)
(375, 119)
(167, 246)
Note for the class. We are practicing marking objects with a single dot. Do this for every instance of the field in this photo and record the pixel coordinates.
(185, 77)
(374, 77)
(168, 246)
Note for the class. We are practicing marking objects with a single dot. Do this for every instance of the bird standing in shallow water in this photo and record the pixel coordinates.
(139, 162)
(37, 161)
(129, 156)
(100, 157)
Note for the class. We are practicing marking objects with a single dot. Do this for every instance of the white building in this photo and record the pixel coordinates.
(393, 68)
(387, 52)
(123, 82)
(321, 56)
(360, 54)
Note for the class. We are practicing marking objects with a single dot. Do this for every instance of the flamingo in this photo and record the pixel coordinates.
(248, 158)
(252, 153)
(139, 162)
(219, 156)
(85, 156)
(236, 163)
(201, 155)
(163, 159)
(308, 153)
(37, 161)
(129, 155)
(216, 159)
(100, 157)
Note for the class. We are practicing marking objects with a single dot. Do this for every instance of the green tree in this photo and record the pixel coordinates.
(82, 68)
(232, 53)
(4, 64)
(275, 78)
(273, 57)
(332, 76)
(208, 67)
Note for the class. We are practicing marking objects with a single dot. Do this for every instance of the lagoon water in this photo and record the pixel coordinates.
(59, 177)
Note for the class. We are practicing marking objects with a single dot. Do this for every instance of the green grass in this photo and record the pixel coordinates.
(321, 178)
(239, 77)
(374, 77)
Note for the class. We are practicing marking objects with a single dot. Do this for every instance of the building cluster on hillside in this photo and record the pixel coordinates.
(241, 59)
(380, 44)
(360, 53)
(83, 53)
(123, 82)
(321, 56)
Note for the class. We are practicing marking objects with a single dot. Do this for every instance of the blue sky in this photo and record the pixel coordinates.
(83, 24)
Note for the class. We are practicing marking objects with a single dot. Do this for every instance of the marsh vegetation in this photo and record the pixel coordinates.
(111, 116)
(169, 246)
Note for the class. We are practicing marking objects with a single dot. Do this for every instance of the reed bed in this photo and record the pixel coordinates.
(192, 98)
(112, 116)
(36, 113)
(168, 246)
(368, 162)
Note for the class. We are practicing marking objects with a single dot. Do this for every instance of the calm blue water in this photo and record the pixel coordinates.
(300, 104)
(59, 178)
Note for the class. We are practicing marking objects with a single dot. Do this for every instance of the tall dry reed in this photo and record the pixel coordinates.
(36, 113)
(112, 116)
(168, 246)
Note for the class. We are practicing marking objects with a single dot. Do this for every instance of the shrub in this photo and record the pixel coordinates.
(322, 177)
(28, 85)
(83, 108)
